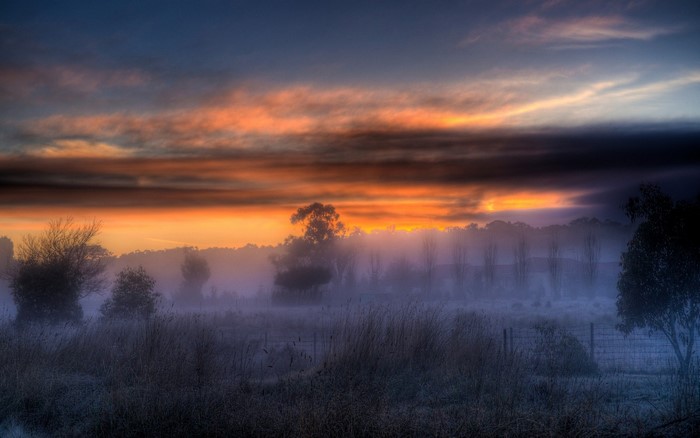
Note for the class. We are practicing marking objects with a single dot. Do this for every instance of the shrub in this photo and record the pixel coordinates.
(557, 352)
(132, 295)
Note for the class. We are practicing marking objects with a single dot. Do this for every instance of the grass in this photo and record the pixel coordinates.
(412, 370)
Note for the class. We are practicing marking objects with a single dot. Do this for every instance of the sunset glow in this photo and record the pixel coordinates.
(214, 133)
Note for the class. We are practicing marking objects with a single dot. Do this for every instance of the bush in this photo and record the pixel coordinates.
(55, 269)
(557, 352)
(132, 295)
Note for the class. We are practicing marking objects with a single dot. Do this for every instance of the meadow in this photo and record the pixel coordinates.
(374, 370)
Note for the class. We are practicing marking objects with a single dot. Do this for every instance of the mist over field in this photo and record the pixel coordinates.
(398, 218)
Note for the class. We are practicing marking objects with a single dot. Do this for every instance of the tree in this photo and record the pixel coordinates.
(301, 284)
(375, 270)
(310, 260)
(490, 256)
(321, 224)
(659, 285)
(521, 265)
(55, 270)
(591, 258)
(133, 295)
(459, 260)
(429, 259)
(554, 266)
(195, 273)
(6, 255)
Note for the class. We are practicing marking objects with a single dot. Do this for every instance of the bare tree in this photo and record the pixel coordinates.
(343, 262)
(195, 272)
(490, 255)
(554, 266)
(521, 265)
(429, 254)
(459, 260)
(591, 258)
(375, 270)
(55, 269)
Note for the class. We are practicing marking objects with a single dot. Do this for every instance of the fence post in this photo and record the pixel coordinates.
(505, 343)
(592, 345)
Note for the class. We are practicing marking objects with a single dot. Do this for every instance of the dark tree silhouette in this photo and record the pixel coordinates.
(659, 286)
(490, 256)
(195, 273)
(321, 223)
(375, 270)
(133, 295)
(6, 255)
(301, 284)
(591, 258)
(459, 260)
(429, 256)
(55, 269)
(554, 266)
(310, 260)
(521, 264)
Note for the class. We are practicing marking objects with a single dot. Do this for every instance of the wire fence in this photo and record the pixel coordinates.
(610, 349)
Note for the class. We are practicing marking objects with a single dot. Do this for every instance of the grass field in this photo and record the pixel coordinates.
(407, 370)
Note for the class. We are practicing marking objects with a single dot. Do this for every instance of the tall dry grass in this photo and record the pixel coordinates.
(412, 370)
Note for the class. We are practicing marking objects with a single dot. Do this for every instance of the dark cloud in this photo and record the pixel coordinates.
(453, 169)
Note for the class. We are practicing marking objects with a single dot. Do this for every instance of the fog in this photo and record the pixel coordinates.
(390, 265)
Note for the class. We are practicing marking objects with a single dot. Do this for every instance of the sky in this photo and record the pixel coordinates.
(208, 123)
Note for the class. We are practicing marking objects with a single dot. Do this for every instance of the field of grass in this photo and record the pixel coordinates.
(408, 370)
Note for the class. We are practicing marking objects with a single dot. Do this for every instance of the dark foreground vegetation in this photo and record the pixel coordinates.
(407, 371)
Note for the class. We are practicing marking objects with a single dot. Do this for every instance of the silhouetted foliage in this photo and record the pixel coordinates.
(321, 223)
(195, 273)
(6, 255)
(659, 286)
(310, 260)
(133, 295)
(301, 284)
(55, 269)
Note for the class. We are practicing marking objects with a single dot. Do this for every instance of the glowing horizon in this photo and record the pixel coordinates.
(431, 116)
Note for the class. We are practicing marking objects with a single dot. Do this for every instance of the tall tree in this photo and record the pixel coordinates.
(309, 261)
(429, 255)
(6, 255)
(659, 285)
(490, 257)
(521, 265)
(375, 270)
(195, 273)
(591, 259)
(554, 266)
(55, 269)
(459, 260)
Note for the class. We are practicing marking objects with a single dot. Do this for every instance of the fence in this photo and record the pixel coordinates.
(638, 352)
